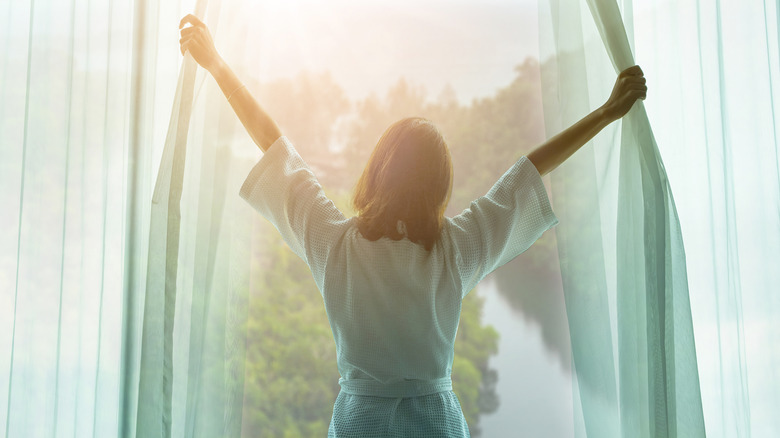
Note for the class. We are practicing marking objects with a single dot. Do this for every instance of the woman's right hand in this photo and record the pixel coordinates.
(197, 40)
(629, 86)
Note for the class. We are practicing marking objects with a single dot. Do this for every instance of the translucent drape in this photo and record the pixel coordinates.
(718, 62)
(85, 92)
(190, 366)
(64, 106)
(156, 362)
(627, 276)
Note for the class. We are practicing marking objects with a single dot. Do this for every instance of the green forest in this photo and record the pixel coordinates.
(291, 379)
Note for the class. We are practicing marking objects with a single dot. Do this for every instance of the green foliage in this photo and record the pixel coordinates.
(472, 380)
(291, 376)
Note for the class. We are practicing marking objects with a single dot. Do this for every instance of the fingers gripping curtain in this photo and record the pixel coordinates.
(643, 381)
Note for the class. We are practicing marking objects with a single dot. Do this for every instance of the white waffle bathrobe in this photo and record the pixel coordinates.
(393, 306)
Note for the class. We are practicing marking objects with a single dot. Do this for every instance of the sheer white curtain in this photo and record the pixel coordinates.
(86, 92)
(722, 129)
(712, 69)
(64, 107)
(190, 288)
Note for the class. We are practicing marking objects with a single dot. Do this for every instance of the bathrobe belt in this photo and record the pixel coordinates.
(398, 389)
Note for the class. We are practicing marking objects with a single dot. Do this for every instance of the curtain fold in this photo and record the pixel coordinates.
(194, 319)
(84, 351)
(656, 390)
(63, 107)
(712, 113)
(156, 379)
(711, 67)
(652, 275)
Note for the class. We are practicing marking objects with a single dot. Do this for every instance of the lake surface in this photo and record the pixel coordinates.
(534, 389)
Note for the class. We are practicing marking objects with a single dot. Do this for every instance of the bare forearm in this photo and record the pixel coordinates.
(260, 126)
(559, 148)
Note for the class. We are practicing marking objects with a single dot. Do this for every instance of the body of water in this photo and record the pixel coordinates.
(535, 391)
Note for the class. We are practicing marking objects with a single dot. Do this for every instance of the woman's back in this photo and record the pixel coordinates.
(393, 308)
(394, 305)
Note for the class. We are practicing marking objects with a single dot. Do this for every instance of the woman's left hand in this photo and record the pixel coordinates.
(197, 40)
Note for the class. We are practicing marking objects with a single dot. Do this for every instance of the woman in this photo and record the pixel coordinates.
(393, 277)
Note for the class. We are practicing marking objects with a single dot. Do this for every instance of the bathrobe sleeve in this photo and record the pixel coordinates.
(285, 191)
(499, 226)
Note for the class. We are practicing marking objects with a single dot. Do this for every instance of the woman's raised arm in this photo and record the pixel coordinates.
(197, 40)
(629, 86)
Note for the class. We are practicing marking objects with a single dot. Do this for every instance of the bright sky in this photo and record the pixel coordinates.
(367, 46)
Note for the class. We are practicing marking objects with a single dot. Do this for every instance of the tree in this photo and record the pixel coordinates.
(291, 379)
(372, 117)
(309, 109)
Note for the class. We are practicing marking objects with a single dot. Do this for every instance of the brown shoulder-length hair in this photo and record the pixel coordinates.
(407, 184)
